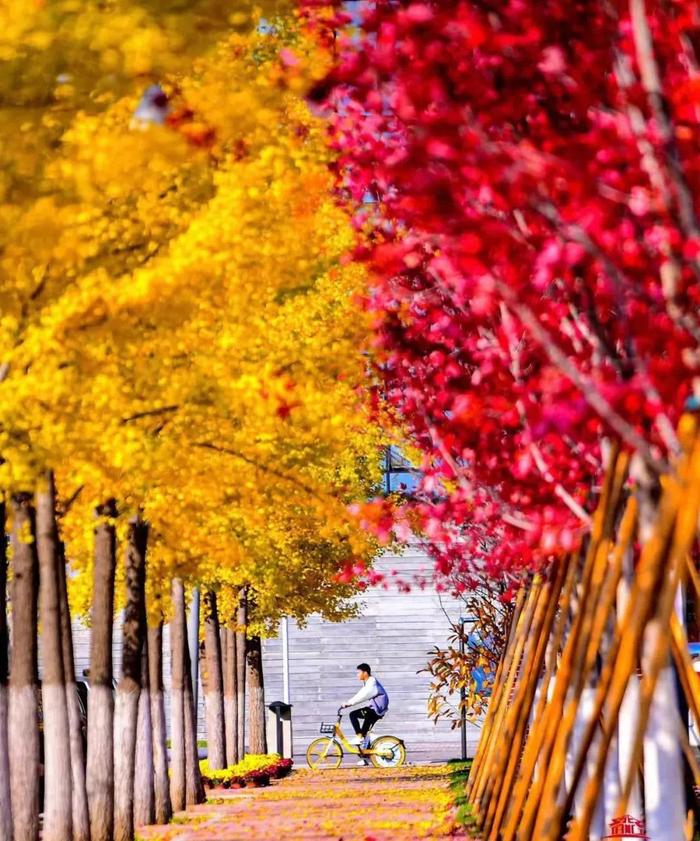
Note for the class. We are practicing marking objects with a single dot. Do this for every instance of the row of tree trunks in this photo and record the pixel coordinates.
(232, 659)
(36, 548)
(5, 808)
(123, 782)
(23, 730)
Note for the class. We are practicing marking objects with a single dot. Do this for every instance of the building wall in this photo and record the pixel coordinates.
(394, 633)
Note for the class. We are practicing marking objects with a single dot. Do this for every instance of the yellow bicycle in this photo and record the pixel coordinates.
(327, 751)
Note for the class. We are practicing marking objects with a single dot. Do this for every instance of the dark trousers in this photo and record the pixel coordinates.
(369, 719)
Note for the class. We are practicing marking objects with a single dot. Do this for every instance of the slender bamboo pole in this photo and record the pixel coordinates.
(626, 534)
(477, 761)
(478, 764)
(482, 791)
(693, 575)
(527, 769)
(657, 631)
(511, 798)
(572, 646)
(618, 668)
(503, 666)
(575, 678)
(688, 752)
(516, 736)
(674, 533)
(686, 673)
(506, 753)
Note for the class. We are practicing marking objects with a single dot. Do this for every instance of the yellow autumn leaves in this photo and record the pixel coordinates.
(177, 329)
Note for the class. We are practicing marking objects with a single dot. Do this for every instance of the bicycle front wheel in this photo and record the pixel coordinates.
(323, 754)
(389, 752)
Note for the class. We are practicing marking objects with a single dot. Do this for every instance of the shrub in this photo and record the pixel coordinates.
(254, 768)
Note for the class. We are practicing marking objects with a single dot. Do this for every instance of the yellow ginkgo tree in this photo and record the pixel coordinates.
(180, 355)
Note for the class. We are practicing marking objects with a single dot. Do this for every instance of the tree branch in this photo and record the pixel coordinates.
(651, 81)
(208, 445)
(587, 387)
(163, 410)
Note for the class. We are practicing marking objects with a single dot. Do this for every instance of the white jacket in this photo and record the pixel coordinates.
(369, 690)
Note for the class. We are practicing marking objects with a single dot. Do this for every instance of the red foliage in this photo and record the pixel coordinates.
(525, 176)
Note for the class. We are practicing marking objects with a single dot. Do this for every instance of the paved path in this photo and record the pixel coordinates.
(363, 804)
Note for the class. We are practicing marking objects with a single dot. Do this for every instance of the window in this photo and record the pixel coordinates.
(399, 474)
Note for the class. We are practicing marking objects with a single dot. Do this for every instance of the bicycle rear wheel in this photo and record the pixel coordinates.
(324, 753)
(390, 752)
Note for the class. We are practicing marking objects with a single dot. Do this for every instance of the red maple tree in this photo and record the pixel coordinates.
(524, 175)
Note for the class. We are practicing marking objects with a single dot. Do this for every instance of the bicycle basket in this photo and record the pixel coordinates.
(327, 728)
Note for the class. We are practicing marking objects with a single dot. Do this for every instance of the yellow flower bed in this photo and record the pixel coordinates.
(251, 765)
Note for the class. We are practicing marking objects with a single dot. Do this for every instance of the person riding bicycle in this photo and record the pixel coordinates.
(378, 703)
(372, 701)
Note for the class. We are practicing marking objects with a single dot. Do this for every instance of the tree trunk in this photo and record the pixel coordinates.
(23, 726)
(144, 793)
(664, 789)
(178, 647)
(163, 809)
(193, 643)
(81, 819)
(100, 742)
(224, 657)
(214, 699)
(5, 808)
(230, 699)
(129, 688)
(58, 808)
(612, 784)
(597, 828)
(194, 789)
(241, 622)
(256, 697)
(628, 719)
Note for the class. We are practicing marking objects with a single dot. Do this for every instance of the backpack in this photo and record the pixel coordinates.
(380, 702)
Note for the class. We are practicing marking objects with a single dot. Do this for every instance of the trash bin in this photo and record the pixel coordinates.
(279, 729)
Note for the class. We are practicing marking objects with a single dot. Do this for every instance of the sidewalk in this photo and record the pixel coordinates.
(362, 804)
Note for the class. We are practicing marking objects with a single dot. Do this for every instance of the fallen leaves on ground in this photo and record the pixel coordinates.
(350, 804)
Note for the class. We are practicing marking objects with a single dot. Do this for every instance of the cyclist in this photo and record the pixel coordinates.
(375, 703)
